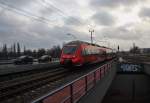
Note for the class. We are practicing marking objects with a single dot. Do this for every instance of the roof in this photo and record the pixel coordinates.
(78, 42)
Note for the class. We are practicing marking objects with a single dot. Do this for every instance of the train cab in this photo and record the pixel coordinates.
(71, 55)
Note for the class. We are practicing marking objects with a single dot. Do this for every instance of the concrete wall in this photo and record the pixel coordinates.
(147, 69)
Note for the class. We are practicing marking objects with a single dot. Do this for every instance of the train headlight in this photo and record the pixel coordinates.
(73, 56)
(63, 56)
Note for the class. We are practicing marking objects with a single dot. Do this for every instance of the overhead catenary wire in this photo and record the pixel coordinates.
(62, 13)
(12, 8)
(27, 14)
(44, 3)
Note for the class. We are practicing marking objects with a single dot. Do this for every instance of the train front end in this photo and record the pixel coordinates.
(70, 56)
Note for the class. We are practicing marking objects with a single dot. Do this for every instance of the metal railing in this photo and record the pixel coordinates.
(73, 91)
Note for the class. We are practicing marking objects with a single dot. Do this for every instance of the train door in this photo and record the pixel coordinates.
(85, 54)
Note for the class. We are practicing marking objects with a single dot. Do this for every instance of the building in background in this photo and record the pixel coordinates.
(144, 50)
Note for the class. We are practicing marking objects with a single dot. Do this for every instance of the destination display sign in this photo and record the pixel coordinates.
(129, 67)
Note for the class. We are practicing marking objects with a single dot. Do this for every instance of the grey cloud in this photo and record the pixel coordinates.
(121, 33)
(47, 11)
(7, 21)
(9, 25)
(19, 3)
(113, 3)
(34, 34)
(29, 7)
(73, 21)
(58, 33)
(103, 18)
(144, 13)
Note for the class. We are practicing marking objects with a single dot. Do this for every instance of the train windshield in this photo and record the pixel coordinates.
(69, 49)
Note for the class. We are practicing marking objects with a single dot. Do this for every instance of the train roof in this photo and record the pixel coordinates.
(82, 42)
(77, 42)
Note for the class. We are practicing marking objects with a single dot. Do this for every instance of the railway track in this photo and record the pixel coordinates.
(23, 84)
(13, 76)
(9, 73)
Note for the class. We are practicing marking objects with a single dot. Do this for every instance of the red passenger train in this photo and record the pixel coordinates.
(78, 53)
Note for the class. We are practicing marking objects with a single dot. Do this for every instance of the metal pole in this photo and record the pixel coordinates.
(91, 38)
(91, 31)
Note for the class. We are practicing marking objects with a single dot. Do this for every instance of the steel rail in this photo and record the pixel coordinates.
(21, 85)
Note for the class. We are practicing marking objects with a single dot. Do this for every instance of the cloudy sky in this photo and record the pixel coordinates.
(44, 23)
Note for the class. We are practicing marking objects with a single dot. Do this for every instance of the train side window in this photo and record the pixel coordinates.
(88, 51)
(92, 51)
(84, 51)
(104, 53)
(97, 51)
(101, 52)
